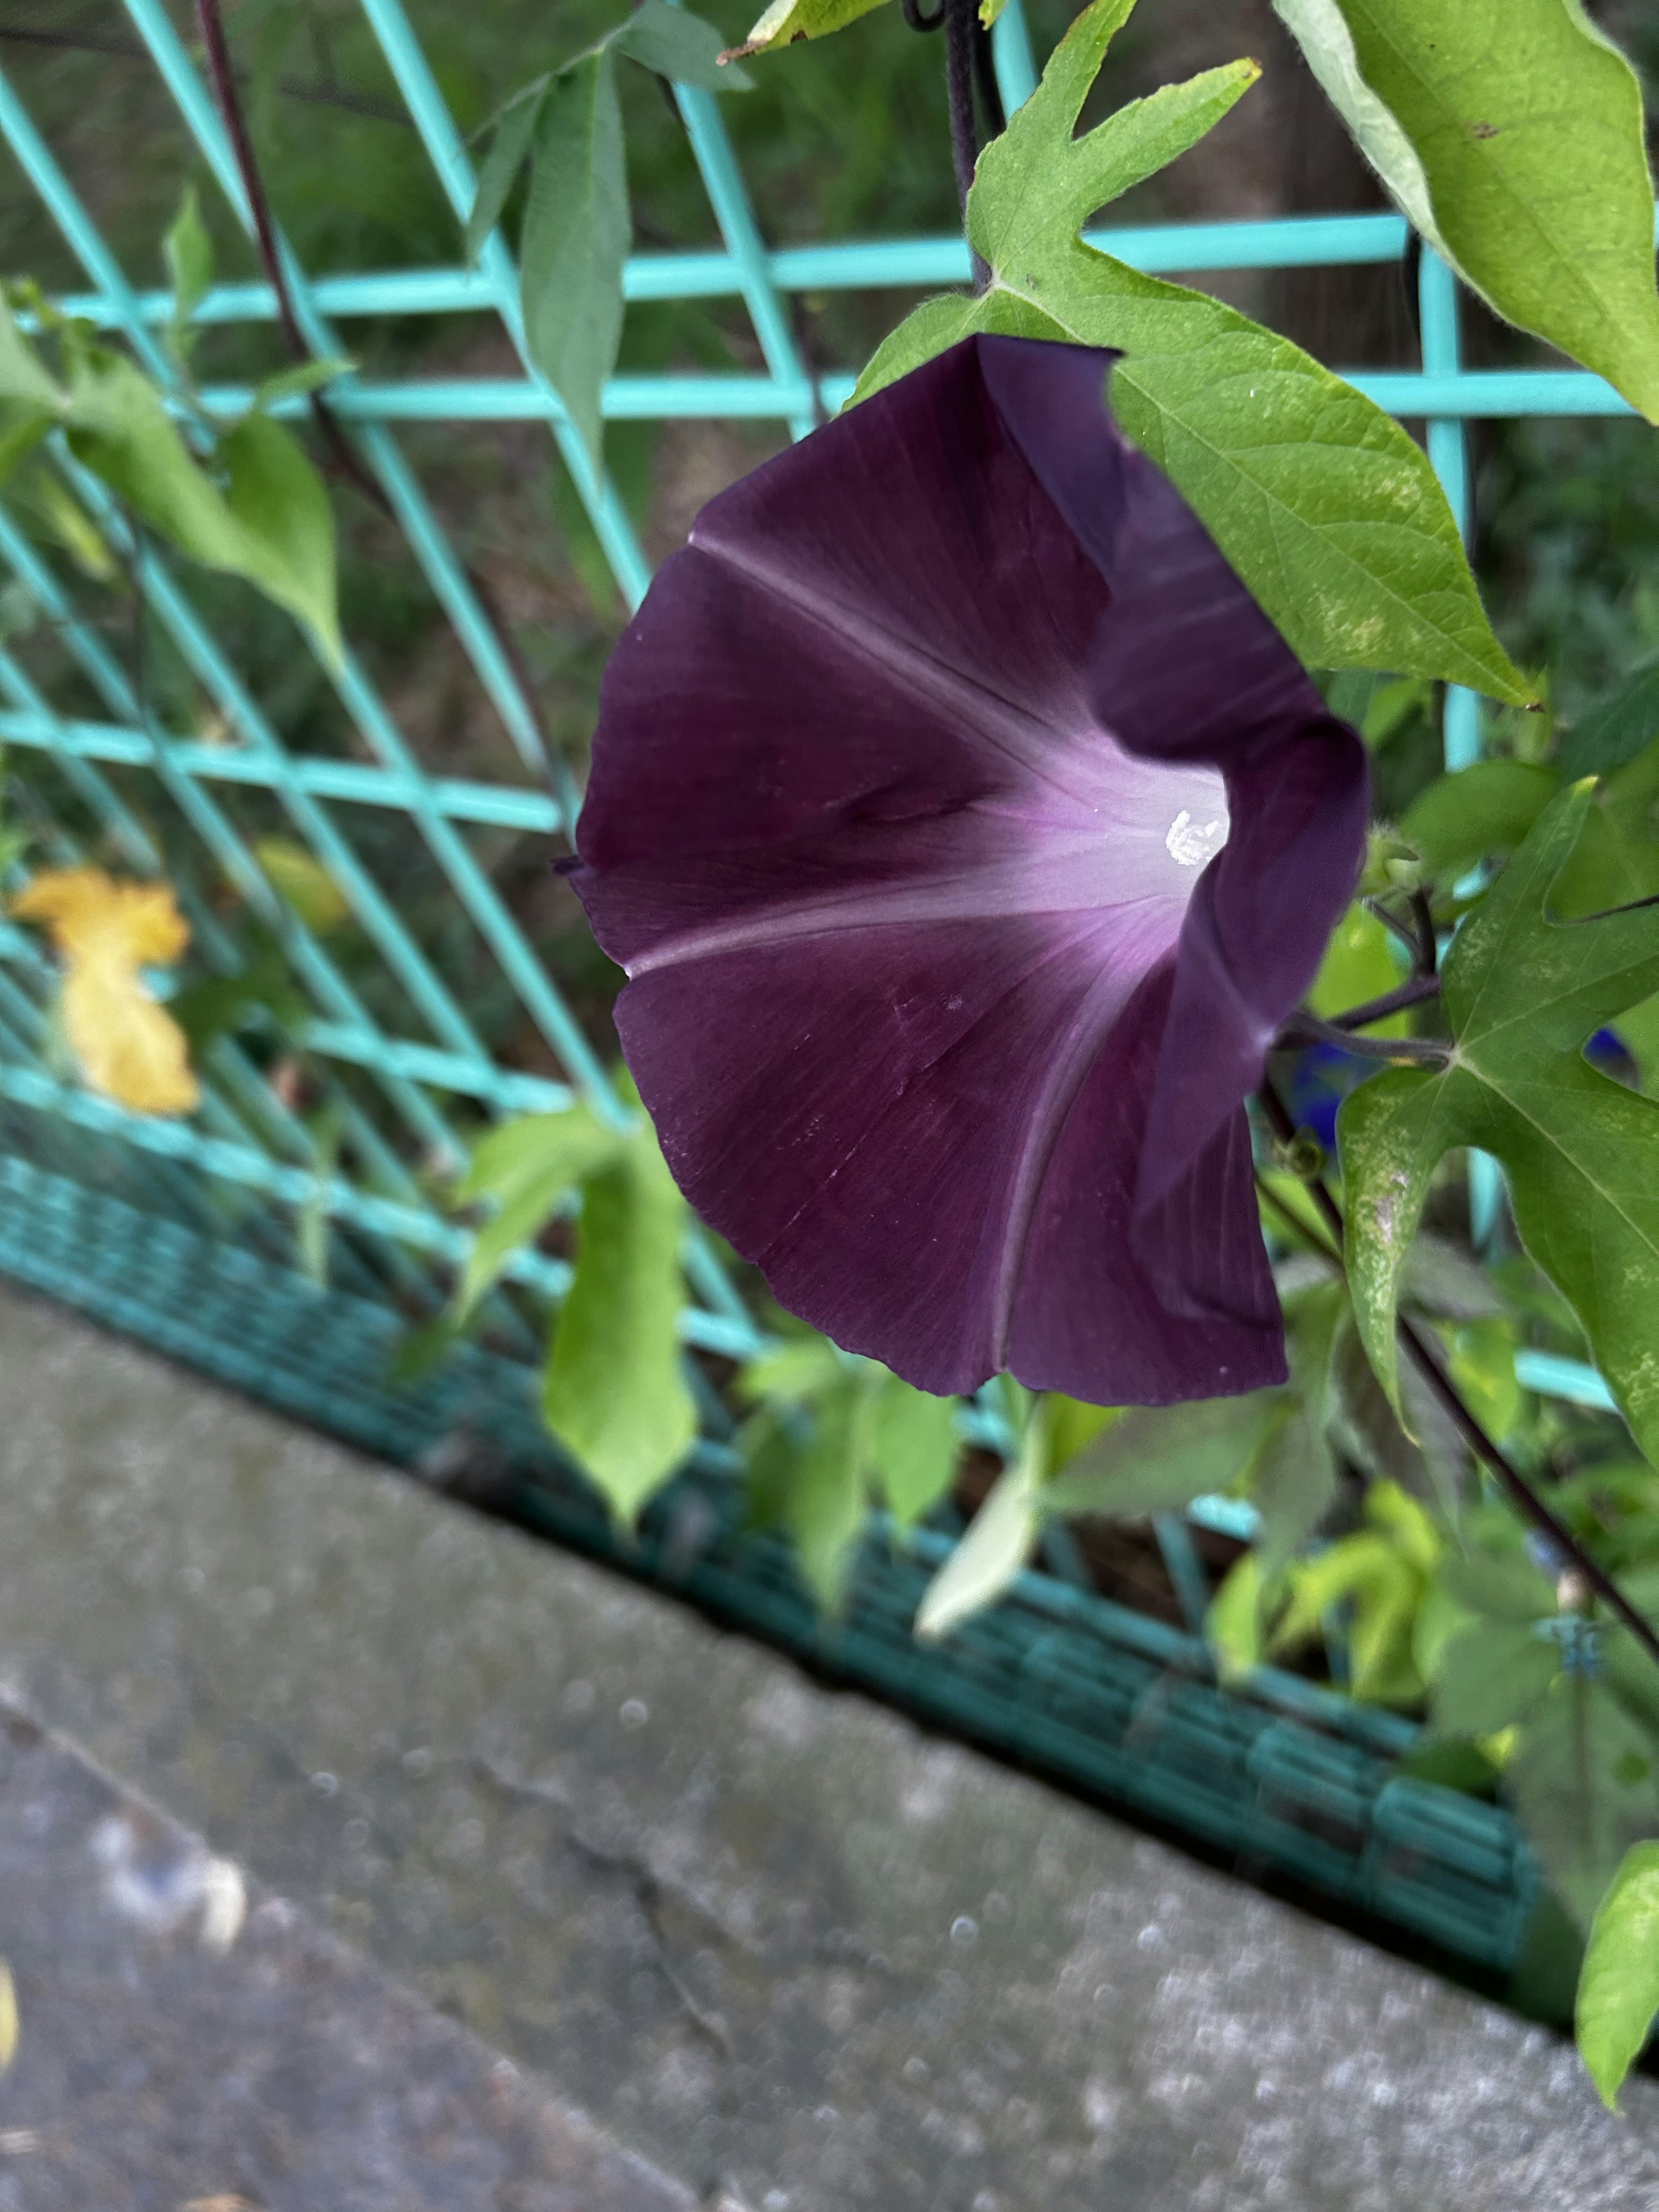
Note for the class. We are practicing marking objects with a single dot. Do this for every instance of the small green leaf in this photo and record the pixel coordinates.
(615, 1391)
(679, 45)
(786, 21)
(1490, 1676)
(1359, 965)
(187, 250)
(1521, 993)
(514, 128)
(1157, 1458)
(1476, 813)
(304, 883)
(1614, 731)
(577, 231)
(1618, 1983)
(1511, 132)
(913, 1447)
(989, 1557)
(272, 524)
(1233, 1627)
(825, 1496)
(278, 500)
(300, 381)
(523, 1169)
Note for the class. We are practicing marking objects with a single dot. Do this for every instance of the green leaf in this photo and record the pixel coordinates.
(1502, 1588)
(615, 1391)
(1482, 1368)
(1392, 708)
(1381, 1588)
(1521, 993)
(1072, 1424)
(1616, 859)
(22, 377)
(1233, 1626)
(279, 502)
(298, 382)
(272, 524)
(1583, 1784)
(1359, 965)
(1618, 1982)
(1158, 1458)
(21, 429)
(793, 1373)
(1511, 132)
(1616, 731)
(577, 232)
(1293, 1485)
(514, 128)
(303, 882)
(523, 1168)
(187, 250)
(786, 21)
(1491, 1675)
(1325, 506)
(1476, 813)
(994, 1550)
(913, 1447)
(825, 1496)
(1423, 1453)
(1294, 1478)
(679, 45)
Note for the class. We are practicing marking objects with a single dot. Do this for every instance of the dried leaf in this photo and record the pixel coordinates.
(129, 1047)
(7, 2017)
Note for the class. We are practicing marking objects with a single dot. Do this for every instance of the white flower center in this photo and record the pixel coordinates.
(1190, 844)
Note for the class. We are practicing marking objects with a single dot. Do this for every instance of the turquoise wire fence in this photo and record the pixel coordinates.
(184, 1231)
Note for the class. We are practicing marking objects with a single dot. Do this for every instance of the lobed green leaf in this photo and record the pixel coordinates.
(1523, 992)
(1326, 506)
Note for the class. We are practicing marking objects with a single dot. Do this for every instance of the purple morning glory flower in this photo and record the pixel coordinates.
(966, 832)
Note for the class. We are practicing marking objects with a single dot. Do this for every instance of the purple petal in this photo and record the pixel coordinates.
(905, 777)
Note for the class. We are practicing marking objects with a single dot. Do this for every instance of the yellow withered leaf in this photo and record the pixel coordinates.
(7, 2017)
(129, 1046)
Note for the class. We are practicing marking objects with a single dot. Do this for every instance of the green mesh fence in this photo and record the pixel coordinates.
(187, 1232)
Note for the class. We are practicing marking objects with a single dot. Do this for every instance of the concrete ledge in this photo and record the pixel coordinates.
(774, 1939)
(188, 2040)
